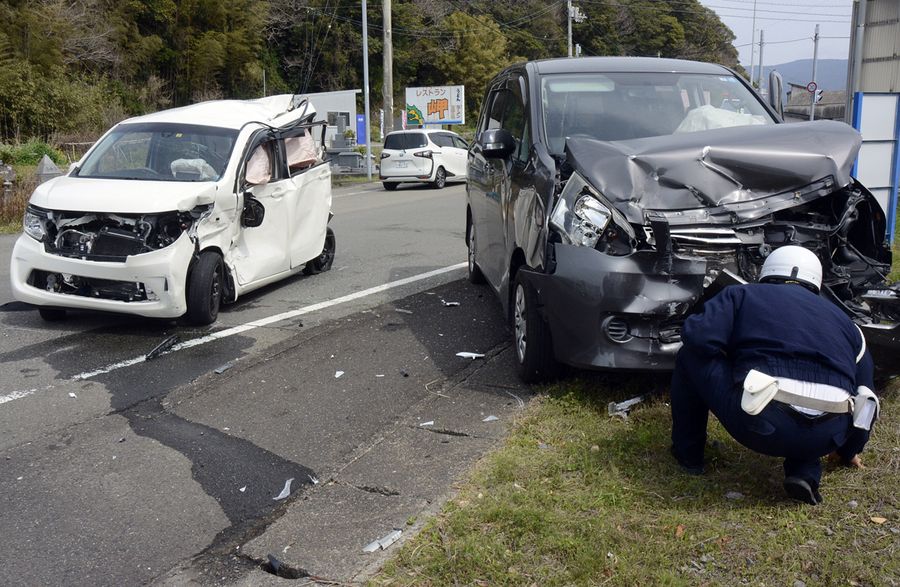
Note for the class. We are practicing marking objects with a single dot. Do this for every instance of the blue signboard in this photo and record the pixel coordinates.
(361, 134)
(877, 117)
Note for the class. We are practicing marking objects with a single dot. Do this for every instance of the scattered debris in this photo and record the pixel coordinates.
(543, 445)
(679, 531)
(122, 439)
(852, 504)
(286, 548)
(313, 480)
(706, 559)
(519, 401)
(404, 373)
(337, 374)
(274, 563)
(223, 368)
(284, 492)
(468, 355)
(491, 419)
(403, 311)
(428, 423)
(19, 478)
(243, 489)
(162, 347)
(72, 395)
(829, 531)
(734, 495)
(878, 520)
(595, 448)
(380, 375)
(449, 304)
(799, 583)
(621, 408)
(383, 542)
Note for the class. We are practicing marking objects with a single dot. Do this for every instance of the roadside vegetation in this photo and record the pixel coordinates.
(574, 497)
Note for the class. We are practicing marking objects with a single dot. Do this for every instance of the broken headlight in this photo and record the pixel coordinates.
(33, 223)
(583, 217)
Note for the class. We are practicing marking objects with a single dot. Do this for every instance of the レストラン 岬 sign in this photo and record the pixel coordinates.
(435, 105)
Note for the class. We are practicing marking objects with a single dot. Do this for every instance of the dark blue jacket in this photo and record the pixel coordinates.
(783, 330)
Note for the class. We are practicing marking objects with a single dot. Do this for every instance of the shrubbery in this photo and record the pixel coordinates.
(30, 153)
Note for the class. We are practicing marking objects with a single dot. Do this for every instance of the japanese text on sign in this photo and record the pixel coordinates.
(435, 105)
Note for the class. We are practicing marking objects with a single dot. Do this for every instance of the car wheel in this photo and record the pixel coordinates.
(440, 178)
(390, 185)
(204, 292)
(475, 274)
(531, 336)
(324, 261)
(52, 314)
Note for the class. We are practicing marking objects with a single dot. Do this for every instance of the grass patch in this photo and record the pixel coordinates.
(548, 509)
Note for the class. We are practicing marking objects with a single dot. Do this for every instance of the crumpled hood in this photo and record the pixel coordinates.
(715, 167)
(120, 196)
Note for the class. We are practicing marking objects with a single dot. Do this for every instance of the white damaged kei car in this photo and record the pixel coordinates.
(171, 214)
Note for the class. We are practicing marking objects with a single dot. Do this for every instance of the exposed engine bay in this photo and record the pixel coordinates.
(112, 237)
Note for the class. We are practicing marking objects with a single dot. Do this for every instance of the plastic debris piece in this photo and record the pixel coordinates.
(617, 408)
(428, 423)
(595, 448)
(243, 489)
(519, 401)
(286, 548)
(19, 478)
(372, 547)
(162, 347)
(404, 373)
(734, 495)
(449, 304)
(491, 419)
(878, 519)
(274, 562)
(223, 368)
(380, 375)
(853, 504)
(337, 374)
(284, 492)
(313, 480)
(72, 395)
(391, 538)
(122, 439)
(543, 445)
(468, 355)
(403, 311)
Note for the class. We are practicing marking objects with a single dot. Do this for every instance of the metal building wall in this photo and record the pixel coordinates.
(881, 47)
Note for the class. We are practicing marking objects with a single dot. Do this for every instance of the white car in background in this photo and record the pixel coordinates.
(173, 213)
(423, 155)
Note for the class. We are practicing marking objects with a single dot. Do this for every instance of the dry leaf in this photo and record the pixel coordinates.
(679, 531)
(878, 520)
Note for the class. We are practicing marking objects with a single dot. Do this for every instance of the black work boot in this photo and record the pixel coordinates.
(689, 468)
(803, 490)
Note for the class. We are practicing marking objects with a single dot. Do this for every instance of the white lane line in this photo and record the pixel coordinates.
(15, 395)
(270, 320)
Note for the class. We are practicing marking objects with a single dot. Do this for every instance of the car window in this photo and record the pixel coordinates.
(405, 140)
(162, 152)
(622, 106)
(515, 121)
(496, 112)
(460, 144)
(442, 140)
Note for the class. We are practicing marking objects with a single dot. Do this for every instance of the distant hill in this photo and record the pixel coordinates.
(831, 74)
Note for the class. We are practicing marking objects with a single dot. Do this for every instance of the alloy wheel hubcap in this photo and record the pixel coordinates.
(520, 323)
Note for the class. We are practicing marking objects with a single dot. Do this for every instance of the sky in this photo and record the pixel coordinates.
(789, 28)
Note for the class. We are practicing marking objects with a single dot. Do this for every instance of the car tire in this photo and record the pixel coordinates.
(204, 292)
(325, 259)
(531, 336)
(390, 185)
(474, 272)
(52, 314)
(440, 178)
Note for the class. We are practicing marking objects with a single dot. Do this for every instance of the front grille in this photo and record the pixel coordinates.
(704, 241)
(89, 287)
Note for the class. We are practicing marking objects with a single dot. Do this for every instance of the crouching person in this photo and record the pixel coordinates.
(785, 371)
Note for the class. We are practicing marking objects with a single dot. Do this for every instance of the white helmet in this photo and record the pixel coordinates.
(793, 263)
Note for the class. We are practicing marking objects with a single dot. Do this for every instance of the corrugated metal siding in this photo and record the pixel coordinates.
(881, 47)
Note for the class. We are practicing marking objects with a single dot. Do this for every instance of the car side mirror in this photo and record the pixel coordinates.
(497, 143)
(253, 213)
(776, 92)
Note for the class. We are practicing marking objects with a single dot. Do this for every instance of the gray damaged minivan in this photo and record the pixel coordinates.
(608, 197)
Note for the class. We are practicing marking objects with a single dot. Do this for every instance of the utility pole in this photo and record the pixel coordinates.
(759, 77)
(387, 91)
(569, 19)
(752, 42)
(812, 98)
(365, 40)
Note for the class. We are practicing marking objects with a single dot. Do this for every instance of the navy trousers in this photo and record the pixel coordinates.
(701, 384)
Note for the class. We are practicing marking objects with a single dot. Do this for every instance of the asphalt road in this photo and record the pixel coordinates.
(117, 470)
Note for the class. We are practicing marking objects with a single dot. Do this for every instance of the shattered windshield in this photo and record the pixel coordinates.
(161, 152)
(622, 106)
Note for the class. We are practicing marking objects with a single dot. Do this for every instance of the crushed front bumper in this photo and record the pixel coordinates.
(160, 275)
(608, 312)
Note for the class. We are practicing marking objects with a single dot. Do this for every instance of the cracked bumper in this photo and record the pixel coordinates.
(608, 312)
(163, 274)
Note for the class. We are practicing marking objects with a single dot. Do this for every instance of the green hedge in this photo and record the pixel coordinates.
(30, 153)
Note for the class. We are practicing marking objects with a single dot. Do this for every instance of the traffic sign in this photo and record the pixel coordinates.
(811, 87)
